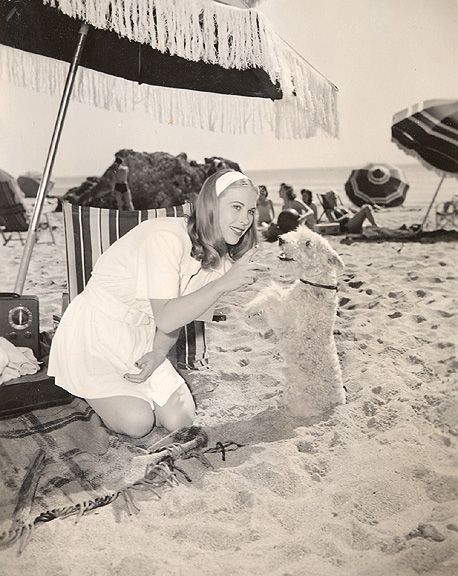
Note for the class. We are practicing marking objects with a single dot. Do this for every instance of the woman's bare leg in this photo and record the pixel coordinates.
(178, 411)
(134, 416)
(355, 224)
(125, 414)
(370, 214)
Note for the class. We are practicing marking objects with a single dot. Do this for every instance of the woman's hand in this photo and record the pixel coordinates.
(147, 364)
(242, 272)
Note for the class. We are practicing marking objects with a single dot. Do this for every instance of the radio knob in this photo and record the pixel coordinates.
(12, 335)
(28, 334)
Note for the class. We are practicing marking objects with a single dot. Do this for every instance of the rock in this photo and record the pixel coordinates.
(395, 315)
(156, 180)
(427, 531)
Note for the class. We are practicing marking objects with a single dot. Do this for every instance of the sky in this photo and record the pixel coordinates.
(384, 55)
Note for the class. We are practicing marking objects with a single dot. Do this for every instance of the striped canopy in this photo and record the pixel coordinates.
(380, 184)
(429, 131)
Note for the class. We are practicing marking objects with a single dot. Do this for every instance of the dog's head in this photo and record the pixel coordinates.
(306, 254)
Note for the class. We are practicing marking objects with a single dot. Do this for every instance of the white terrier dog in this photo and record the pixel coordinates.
(302, 314)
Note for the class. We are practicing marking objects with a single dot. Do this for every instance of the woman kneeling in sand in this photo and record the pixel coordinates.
(158, 277)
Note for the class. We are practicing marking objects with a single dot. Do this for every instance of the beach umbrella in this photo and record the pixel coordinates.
(380, 184)
(194, 63)
(429, 132)
(29, 183)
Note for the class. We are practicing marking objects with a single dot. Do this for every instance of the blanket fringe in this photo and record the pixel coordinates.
(197, 30)
(159, 475)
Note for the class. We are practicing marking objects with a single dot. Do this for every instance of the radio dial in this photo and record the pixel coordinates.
(20, 317)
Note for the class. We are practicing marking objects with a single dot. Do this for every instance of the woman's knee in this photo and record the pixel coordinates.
(136, 426)
(125, 415)
(179, 410)
(174, 417)
(175, 421)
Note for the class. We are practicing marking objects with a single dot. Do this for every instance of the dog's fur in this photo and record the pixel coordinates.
(303, 316)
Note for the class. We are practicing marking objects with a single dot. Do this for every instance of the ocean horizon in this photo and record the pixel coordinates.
(422, 182)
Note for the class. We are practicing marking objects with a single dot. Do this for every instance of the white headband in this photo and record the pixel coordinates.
(227, 179)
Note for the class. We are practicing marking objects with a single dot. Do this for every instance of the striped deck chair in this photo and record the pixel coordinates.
(89, 231)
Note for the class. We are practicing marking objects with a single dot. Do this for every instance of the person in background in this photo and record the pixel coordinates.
(122, 194)
(291, 203)
(349, 221)
(307, 199)
(265, 207)
(281, 191)
(288, 196)
(287, 221)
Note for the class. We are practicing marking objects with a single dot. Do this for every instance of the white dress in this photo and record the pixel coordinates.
(110, 325)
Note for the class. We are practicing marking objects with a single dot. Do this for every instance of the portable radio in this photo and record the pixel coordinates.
(19, 320)
(19, 323)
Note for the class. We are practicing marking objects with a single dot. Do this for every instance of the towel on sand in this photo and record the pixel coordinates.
(15, 361)
(402, 234)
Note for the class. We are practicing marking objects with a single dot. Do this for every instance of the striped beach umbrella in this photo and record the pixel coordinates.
(380, 184)
(429, 132)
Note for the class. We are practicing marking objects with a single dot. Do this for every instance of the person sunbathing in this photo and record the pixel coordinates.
(349, 221)
(112, 343)
(265, 207)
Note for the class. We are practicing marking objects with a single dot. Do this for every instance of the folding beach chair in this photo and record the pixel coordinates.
(89, 231)
(327, 204)
(447, 214)
(13, 215)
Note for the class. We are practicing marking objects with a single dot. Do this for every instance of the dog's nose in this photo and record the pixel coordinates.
(284, 257)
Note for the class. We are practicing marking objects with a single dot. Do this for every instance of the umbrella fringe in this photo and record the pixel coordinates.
(311, 109)
(192, 29)
(424, 163)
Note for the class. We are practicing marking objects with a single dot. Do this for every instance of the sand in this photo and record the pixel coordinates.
(370, 489)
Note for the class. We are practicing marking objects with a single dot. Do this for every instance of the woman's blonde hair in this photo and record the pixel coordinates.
(208, 244)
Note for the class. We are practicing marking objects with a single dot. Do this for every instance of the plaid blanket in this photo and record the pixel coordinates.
(62, 461)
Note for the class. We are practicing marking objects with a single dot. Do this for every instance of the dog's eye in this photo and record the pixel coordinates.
(280, 241)
(308, 243)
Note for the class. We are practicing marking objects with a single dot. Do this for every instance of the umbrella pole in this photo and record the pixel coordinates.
(41, 194)
(432, 202)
